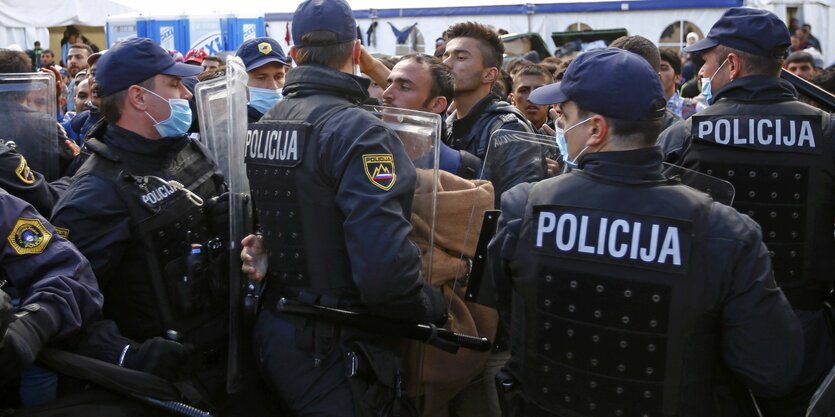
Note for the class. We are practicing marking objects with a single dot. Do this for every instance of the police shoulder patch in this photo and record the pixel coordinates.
(379, 168)
(29, 236)
(64, 233)
(24, 173)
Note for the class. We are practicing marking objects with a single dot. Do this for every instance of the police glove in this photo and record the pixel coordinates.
(218, 210)
(158, 356)
(24, 338)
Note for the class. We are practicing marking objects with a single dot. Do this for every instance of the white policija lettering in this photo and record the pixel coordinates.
(616, 238)
(273, 144)
(158, 194)
(778, 131)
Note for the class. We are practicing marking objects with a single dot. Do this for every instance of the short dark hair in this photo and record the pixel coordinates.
(636, 133)
(83, 46)
(535, 70)
(825, 79)
(443, 82)
(14, 62)
(214, 58)
(111, 106)
(389, 61)
(514, 64)
(490, 45)
(641, 46)
(48, 51)
(752, 64)
(672, 58)
(800, 57)
(320, 49)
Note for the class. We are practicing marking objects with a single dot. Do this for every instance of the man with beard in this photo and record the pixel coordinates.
(76, 61)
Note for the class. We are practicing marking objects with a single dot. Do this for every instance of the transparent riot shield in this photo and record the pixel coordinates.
(442, 210)
(823, 401)
(720, 190)
(221, 108)
(28, 117)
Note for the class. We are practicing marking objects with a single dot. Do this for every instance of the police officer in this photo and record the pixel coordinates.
(778, 153)
(631, 292)
(57, 289)
(22, 182)
(336, 234)
(265, 65)
(140, 209)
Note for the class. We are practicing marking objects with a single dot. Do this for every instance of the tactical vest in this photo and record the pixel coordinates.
(614, 321)
(780, 163)
(164, 282)
(294, 205)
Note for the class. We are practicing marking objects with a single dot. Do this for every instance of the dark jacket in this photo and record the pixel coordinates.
(736, 296)
(340, 202)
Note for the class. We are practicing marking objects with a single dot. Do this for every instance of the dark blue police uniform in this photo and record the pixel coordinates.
(780, 155)
(631, 294)
(19, 180)
(333, 189)
(56, 286)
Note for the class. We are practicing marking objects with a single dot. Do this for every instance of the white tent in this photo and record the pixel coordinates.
(24, 22)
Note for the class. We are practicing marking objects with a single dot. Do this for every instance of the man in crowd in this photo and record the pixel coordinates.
(266, 65)
(474, 54)
(211, 62)
(647, 50)
(76, 61)
(801, 64)
(143, 210)
(525, 80)
(670, 72)
(332, 203)
(780, 159)
(662, 286)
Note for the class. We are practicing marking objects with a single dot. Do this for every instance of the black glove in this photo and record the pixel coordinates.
(158, 356)
(23, 340)
(218, 210)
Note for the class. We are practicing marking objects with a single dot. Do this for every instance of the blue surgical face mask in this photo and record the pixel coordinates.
(263, 99)
(178, 122)
(562, 144)
(707, 93)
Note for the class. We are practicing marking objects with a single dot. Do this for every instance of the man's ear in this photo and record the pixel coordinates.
(438, 105)
(598, 130)
(490, 75)
(136, 98)
(293, 52)
(735, 62)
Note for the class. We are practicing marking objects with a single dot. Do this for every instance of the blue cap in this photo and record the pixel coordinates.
(755, 31)
(260, 51)
(333, 16)
(611, 82)
(136, 60)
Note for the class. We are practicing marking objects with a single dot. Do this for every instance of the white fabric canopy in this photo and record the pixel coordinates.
(24, 22)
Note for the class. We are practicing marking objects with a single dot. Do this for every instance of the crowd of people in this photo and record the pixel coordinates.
(621, 289)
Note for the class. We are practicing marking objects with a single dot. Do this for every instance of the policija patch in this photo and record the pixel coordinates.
(24, 173)
(379, 168)
(28, 236)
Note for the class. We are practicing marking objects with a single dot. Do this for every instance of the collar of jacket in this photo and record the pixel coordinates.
(758, 88)
(308, 80)
(633, 166)
(129, 141)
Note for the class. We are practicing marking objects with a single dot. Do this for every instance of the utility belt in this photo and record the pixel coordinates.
(372, 363)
